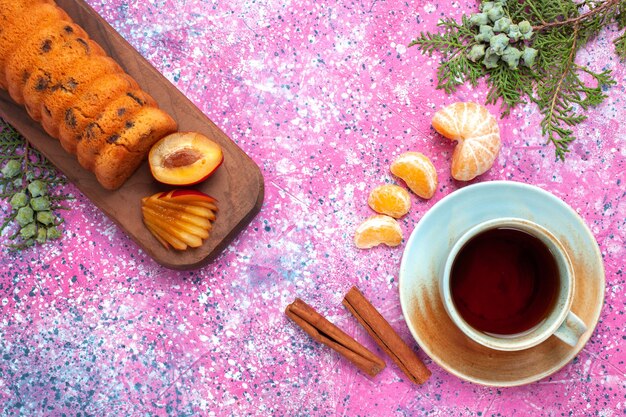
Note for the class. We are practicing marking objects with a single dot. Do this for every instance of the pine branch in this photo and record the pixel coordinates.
(620, 42)
(601, 10)
(554, 103)
(453, 45)
(554, 83)
(512, 87)
(620, 46)
(30, 184)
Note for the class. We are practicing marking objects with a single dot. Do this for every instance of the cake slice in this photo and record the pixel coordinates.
(41, 47)
(52, 87)
(109, 122)
(123, 152)
(17, 20)
(72, 119)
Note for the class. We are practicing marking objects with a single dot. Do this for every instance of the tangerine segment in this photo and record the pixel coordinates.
(378, 229)
(478, 136)
(417, 171)
(390, 199)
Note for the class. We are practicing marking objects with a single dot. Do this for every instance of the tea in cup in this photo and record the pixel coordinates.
(508, 284)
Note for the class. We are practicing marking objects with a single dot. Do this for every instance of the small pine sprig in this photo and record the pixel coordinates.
(30, 184)
(620, 41)
(453, 44)
(554, 82)
(563, 94)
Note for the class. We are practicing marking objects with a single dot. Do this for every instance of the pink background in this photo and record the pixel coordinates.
(322, 95)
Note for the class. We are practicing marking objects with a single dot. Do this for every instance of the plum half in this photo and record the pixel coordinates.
(184, 158)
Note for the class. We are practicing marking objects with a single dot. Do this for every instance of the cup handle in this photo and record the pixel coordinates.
(571, 330)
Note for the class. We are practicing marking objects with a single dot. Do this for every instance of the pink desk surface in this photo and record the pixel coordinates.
(322, 95)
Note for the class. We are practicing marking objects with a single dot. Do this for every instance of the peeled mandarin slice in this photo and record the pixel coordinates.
(390, 199)
(477, 134)
(378, 229)
(417, 171)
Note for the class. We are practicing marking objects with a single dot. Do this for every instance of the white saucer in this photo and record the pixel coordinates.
(423, 261)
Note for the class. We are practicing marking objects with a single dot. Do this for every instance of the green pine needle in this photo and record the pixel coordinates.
(555, 83)
(620, 46)
(453, 45)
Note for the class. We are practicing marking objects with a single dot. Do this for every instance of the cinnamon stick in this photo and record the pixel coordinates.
(323, 331)
(382, 332)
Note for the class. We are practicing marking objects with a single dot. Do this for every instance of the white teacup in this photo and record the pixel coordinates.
(538, 278)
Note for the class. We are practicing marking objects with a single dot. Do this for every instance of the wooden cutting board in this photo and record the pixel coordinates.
(237, 184)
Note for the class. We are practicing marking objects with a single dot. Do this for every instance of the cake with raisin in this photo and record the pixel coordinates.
(38, 49)
(55, 86)
(18, 20)
(123, 151)
(113, 118)
(80, 95)
(70, 117)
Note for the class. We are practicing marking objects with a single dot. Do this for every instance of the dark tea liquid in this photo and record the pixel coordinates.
(504, 281)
